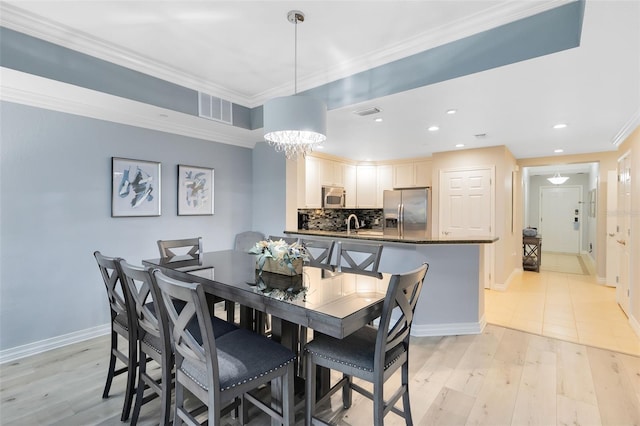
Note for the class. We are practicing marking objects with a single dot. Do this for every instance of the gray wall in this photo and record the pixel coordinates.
(269, 192)
(55, 210)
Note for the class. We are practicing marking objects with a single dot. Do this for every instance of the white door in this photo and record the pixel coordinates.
(613, 251)
(466, 207)
(561, 218)
(623, 238)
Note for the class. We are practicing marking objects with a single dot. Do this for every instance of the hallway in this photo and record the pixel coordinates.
(567, 306)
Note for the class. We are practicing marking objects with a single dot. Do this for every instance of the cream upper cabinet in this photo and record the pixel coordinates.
(408, 175)
(331, 172)
(313, 183)
(367, 186)
(350, 185)
(385, 182)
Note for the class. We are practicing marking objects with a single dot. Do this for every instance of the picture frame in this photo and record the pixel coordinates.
(135, 187)
(195, 190)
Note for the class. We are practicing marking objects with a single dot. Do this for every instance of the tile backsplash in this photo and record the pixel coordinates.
(333, 219)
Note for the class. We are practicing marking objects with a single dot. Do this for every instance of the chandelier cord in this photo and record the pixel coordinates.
(295, 57)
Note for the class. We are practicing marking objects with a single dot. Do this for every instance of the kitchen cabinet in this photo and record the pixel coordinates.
(331, 172)
(350, 185)
(366, 186)
(411, 175)
(312, 183)
(384, 182)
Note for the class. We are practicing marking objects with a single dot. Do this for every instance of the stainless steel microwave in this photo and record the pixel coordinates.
(333, 197)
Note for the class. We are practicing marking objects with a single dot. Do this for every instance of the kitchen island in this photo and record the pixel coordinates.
(452, 300)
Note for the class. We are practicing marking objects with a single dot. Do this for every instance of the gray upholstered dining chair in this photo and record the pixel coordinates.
(220, 370)
(150, 343)
(190, 246)
(121, 325)
(371, 354)
(246, 240)
(358, 258)
(193, 247)
(320, 253)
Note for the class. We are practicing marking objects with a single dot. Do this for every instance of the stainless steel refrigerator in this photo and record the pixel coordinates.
(407, 213)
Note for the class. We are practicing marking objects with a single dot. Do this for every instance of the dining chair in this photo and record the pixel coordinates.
(319, 252)
(359, 258)
(150, 343)
(190, 246)
(371, 354)
(121, 325)
(193, 247)
(219, 370)
(244, 241)
(288, 240)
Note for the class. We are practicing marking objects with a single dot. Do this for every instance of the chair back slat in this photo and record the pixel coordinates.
(111, 275)
(138, 282)
(191, 299)
(320, 252)
(401, 298)
(364, 265)
(191, 246)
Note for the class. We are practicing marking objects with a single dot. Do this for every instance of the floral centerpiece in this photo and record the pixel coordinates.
(279, 257)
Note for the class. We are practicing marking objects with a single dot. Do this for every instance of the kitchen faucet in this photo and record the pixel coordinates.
(349, 222)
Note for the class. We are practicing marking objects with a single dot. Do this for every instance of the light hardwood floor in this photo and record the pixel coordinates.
(500, 377)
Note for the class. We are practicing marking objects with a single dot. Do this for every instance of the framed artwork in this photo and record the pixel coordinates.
(195, 190)
(135, 187)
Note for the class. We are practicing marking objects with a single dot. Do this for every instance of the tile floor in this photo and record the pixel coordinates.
(567, 306)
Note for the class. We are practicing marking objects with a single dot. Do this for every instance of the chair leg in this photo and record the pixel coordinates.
(165, 409)
(112, 364)
(346, 391)
(406, 406)
(131, 379)
(230, 307)
(177, 420)
(142, 368)
(310, 391)
(378, 403)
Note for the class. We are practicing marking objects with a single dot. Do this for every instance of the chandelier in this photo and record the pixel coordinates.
(557, 179)
(295, 124)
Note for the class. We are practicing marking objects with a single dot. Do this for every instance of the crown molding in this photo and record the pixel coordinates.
(490, 18)
(36, 26)
(39, 92)
(19, 20)
(627, 129)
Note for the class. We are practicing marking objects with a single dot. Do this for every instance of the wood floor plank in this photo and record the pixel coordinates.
(536, 401)
(617, 397)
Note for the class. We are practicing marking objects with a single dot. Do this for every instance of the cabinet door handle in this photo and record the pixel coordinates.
(623, 242)
(611, 235)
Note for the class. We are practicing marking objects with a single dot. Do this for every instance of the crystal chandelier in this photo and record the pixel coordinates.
(295, 124)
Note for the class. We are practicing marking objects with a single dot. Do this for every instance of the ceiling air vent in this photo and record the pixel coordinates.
(214, 108)
(367, 111)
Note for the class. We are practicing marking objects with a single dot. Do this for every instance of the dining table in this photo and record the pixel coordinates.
(331, 302)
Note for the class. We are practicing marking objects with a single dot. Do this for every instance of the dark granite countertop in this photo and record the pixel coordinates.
(372, 235)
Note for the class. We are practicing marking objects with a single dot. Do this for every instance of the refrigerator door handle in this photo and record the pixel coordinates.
(399, 220)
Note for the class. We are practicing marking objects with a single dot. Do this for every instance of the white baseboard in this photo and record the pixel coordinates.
(34, 348)
(450, 329)
(504, 286)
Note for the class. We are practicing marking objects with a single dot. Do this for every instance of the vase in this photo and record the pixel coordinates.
(272, 265)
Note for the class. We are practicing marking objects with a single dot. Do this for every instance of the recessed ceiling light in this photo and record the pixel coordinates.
(433, 128)
(378, 120)
(559, 150)
(459, 145)
(451, 111)
(560, 126)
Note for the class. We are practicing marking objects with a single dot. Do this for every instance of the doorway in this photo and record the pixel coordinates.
(561, 218)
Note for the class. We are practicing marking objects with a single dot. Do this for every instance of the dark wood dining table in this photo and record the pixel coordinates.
(333, 303)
